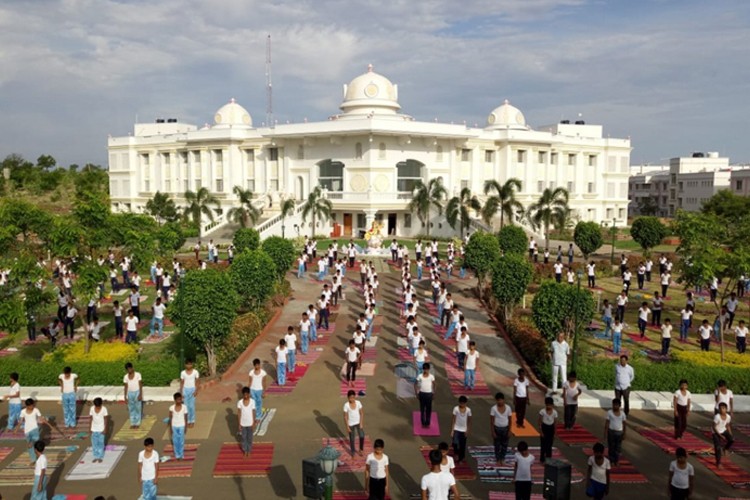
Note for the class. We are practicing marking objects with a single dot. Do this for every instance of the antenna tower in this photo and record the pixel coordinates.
(269, 85)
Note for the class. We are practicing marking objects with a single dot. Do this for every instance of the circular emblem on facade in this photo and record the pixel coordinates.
(217, 118)
(381, 183)
(519, 118)
(371, 90)
(358, 183)
(246, 119)
(491, 118)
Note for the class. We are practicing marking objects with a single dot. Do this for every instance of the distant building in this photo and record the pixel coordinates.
(739, 180)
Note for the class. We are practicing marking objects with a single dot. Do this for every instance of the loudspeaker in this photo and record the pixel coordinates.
(313, 479)
(556, 480)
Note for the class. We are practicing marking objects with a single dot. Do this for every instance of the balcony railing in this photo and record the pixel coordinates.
(369, 196)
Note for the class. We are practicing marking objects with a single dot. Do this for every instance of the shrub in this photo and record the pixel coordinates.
(481, 252)
(529, 342)
(281, 252)
(170, 237)
(253, 274)
(99, 351)
(246, 238)
(512, 240)
(555, 305)
(712, 358)
(588, 238)
(281, 290)
(648, 232)
(244, 330)
(511, 276)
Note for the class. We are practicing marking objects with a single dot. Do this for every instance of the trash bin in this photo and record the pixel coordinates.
(556, 480)
(313, 479)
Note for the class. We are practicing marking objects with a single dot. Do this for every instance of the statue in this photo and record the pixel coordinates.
(374, 236)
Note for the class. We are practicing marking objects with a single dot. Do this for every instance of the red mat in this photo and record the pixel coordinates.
(231, 462)
(83, 426)
(359, 385)
(352, 495)
(636, 337)
(730, 473)
(347, 462)
(577, 436)
(511, 495)
(664, 438)
(4, 452)
(291, 381)
(178, 468)
(370, 354)
(432, 430)
(743, 428)
(625, 472)
(462, 470)
(739, 447)
(456, 380)
(403, 355)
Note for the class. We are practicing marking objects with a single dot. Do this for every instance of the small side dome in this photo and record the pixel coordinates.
(232, 115)
(506, 116)
(370, 93)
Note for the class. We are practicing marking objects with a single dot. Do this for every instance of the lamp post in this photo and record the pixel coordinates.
(575, 322)
(614, 232)
(329, 459)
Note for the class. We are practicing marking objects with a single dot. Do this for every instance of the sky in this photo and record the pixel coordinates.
(673, 75)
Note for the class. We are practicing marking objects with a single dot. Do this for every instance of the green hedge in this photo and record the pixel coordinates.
(34, 373)
(662, 377)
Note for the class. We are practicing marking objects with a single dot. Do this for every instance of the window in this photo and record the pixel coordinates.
(552, 185)
(185, 185)
(273, 185)
(218, 156)
(409, 173)
(407, 221)
(167, 186)
(358, 151)
(183, 158)
(542, 157)
(591, 188)
(592, 160)
(381, 151)
(553, 158)
(521, 155)
(361, 220)
(301, 152)
(621, 213)
(571, 187)
(219, 185)
(439, 153)
(571, 159)
(540, 186)
(609, 213)
(331, 175)
(145, 159)
(738, 185)
(250, 169)
(465, 154)
(197, 184)
(251, 185)
(273, 154)
(488, 156)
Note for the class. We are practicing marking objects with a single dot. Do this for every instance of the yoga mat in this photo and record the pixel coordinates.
(366, 370)
(128, 434)
(432, 430)
(526, 431)
(729, 472)
(664, 438)
(352, 495)
(369, 355)
(636, 337)
(625, 472)
(404, 389)
(347, 461)
(291, 381)
(577, 436)
(739, 447)
(20, 473)
(491, 473)
(155, 339)
(456, 379)
(69, 497)
(402, 342)
(743, 428)
(231, 462)
(359, 385)
(511, 495)
(404, 356)
(261, 426)
(372, 342)
(204, 421)
(12, 435)
(178, 468)
(86, 469)
(80, 431)
(462, 470)
(169, 497)
(4, 452)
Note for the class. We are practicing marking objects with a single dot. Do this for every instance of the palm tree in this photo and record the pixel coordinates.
(246, 212)
(162, 207)
(317, 207)
(458, 208)
(198, 205)
(425, 197)
(287, 207)
(504, 200)
(551, 208)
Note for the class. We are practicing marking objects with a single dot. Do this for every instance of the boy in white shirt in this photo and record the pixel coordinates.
(722, 433)
(39, 490)
(177, 424)
(68, 387)
(148, 470)
(376, 472)
(460, 427)
(245, 418)
(14, 401)
(291, 344)
(520, 396)
(522, 471)
(740, 333)
(99, 426)
(133, 385)
(304, 332)
(31, 418)
(189, 380)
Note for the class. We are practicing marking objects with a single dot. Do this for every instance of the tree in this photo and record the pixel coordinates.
(287, 209)
(20, 298)
(170, 237)
(162, 208)
(317, 207)
(481, 252)
(457, 210)
(253, 274)
(89, 277)
(727, 205)
(64, 237)
(282, 253)
(199, 204)
(91, 211)
(246, 239)
(427, 196)
(555, 305)
(504, 200)
(511, 275)
(246, 213)
(25, 217)
(648, 232)
(204, 310)
(588, 238)
(512, 240)
(648, 206)
(549, 209)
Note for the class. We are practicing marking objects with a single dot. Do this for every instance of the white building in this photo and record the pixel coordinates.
(739, 180)
(369, 157)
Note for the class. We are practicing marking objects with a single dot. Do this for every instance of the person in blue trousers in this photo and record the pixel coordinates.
(455, 318)
(148, 470)
(177, 426)
(301, 266)
(291, 346)
(14, 401)
(312, 314)
(189, 381)
(133, 385)
(304, 333)
(470, 366)
(68, 387)
(281, 359)
(257, 384)
(31, 418)
(39, 490)
(98, 428)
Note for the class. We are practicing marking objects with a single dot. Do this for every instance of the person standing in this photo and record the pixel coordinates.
(39, 490)
(148, 470)
(68, 382)
(117, 312)
(291, 345)
(681, 403)
(522, 471)
(256, 382)
(14, 401)
(571, 390)
(560, 350)
(520, 396)
(558, 270)
(304, 333)
(740, 334)
(177, 424)
(571, 254)
(665, 279)
(597, 478)
(425, 389)
(281, 359)
(649, 265)
(656, 306)
(472, 362)
(614, 431)
(722, 433)
(189, 382)
(681, 476)
(354, 420)
(617, 336)
(133, 395)
(135, 302)
(437, 485)
(607, 317)
(641, 275)
(352, 356)
(591, 272)
(666, 336)
(622, 301)
(131, 327)
(643, 313)
(31, 418)
(99, 427)
(376, 472)
(462, 348)
(158, 317)
(723, 395)
(547, 420)
(686, 316)
(624, 376)
(460, 427)
(70, 319)
(246, 428)
(704, 331)
(500, 416)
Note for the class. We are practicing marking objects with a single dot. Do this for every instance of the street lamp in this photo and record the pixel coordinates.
(575, 321)
(329, 459)
(614, 232)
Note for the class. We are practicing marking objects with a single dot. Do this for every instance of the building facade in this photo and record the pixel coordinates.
(368, 158)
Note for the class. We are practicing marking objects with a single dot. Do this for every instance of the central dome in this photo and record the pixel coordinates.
(232, 115)
(370, 93)
(506, 116)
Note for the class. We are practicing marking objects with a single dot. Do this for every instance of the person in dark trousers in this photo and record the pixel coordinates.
(570, 391)
(425, 389)
(681, 403)
(547, 422)
(460, 427)
(500, 416)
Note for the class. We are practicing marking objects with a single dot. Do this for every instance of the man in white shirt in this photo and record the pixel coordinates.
(624, 375)
(591, 271)
(437, 485)
(158, 317)
(560, 350)
(731, 305)
(558, 270)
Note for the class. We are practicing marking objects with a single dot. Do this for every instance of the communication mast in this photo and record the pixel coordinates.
(269, 85)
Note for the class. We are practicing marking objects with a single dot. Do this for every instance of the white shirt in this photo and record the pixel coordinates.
(740, 331)
(501, 419)
(591, 269)
(682, 400)
(599, 472)
(462, 419)
(616, 422)
(462, 343)
(352, 354)
(426, 384)
(681, 477)
(377, 467)
(131, 323)
(732, 305)
(179, 417)
(626, 276)
(281, 354)
(666, 331)
(558, 268)
(97, 419)
(247, 413)
(665, 278)
(705, 331)
(438, 484)
(624, 376)
(560, 351)
(521, 388)
(352, 414)
(571, 276)
(723, 398)
(304, 326)
(189, 379)
(148, 465)
(420, 355)
(30, 419)
(720, 424)
(471, 360)
(643, 313)
(159, 311)
(571, 393)
(607, 311)
(617, 329)
(548, 418)
(68, 384)
(40, 465)
(291, 341)
(15, 388)
(134, 383)
(622, 300)
(448, 465)
(523, 466)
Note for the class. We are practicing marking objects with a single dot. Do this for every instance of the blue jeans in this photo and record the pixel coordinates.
(616, 343)
(440, 311)
(189, 394)
(291, 360)
(607, 325)
(368, 335)
(420, 364)
(321, 275)
(69, 408)
(160, 323)
(97, 445)
(419, 273)
(135, 407)
(300, 270)
(31, 438)
(14, 413)
(450, 329)
(313, 332)
(462, 273)
(684, 327)
(305, 342)
(148, 490)
(469, 378)
(281, 373)
(257, 395)
(178, 441)
(35, 493)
